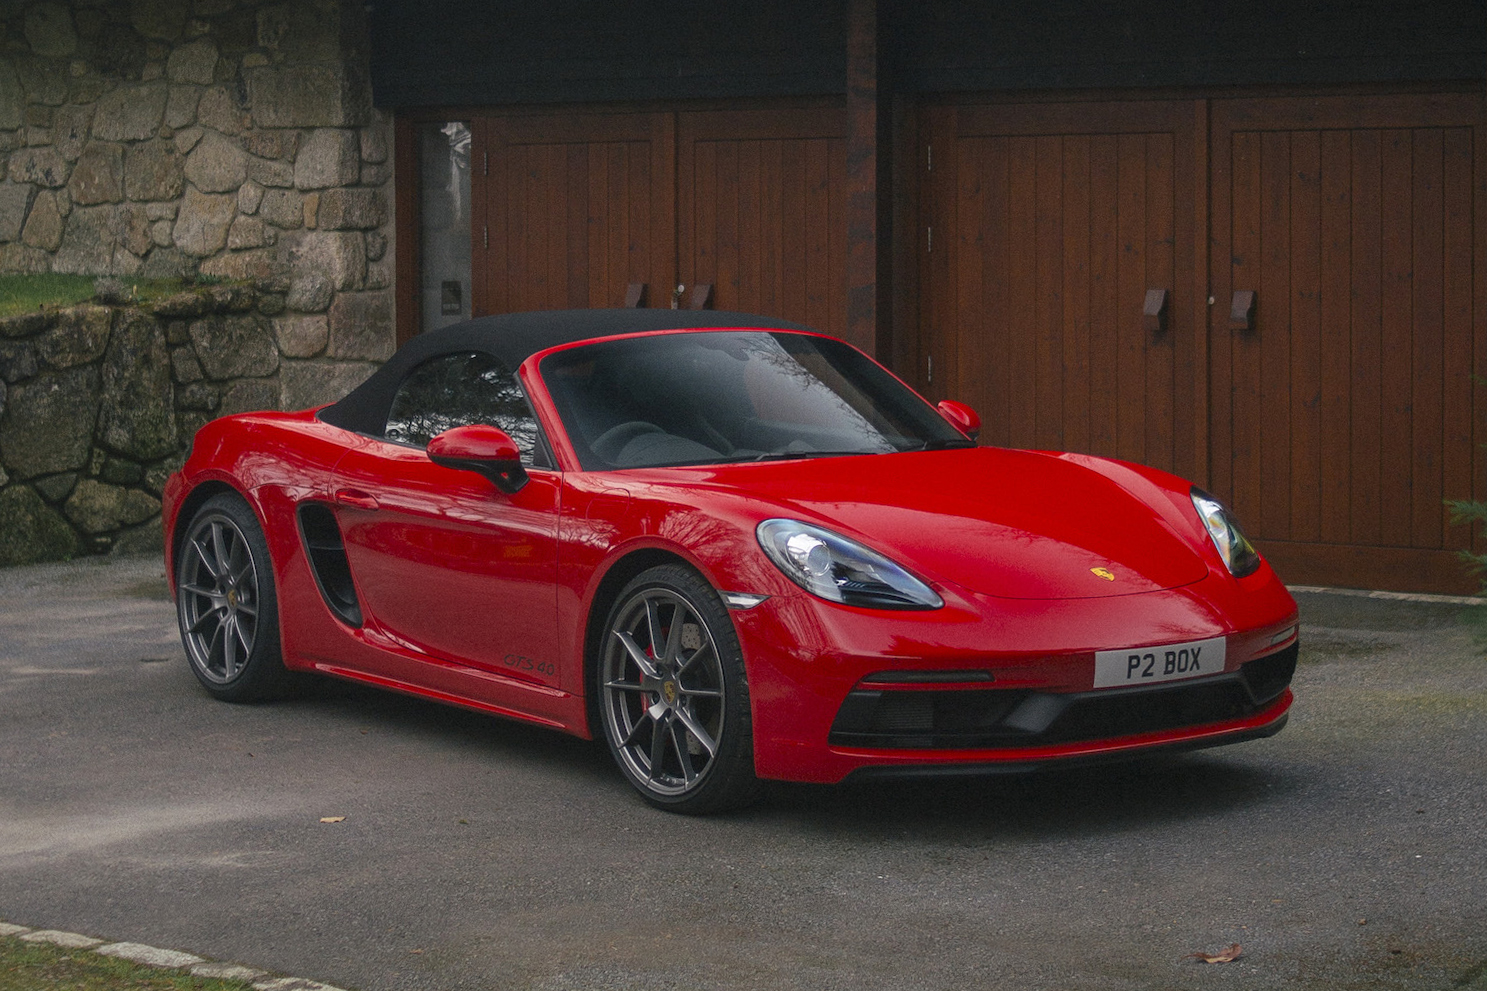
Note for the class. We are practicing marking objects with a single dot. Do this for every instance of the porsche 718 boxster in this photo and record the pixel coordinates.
(733, 548)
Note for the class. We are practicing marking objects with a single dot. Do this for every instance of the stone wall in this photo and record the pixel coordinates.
(228, 138)
(98, 403)
(231, 139)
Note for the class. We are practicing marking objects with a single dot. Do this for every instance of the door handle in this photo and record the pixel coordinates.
(1242, 310)
(356, 498)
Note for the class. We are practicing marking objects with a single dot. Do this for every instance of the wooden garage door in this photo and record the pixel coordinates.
(1050, 225)
(575, 208)
(1347, 413)
(762, 212)
(572, 209)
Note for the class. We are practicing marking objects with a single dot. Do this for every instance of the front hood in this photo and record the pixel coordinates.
(1013, 524)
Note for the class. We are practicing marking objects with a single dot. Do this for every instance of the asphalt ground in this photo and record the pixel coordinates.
(1350, 851)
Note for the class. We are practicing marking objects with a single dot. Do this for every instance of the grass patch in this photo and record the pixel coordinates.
(43, 967)
(29, 293)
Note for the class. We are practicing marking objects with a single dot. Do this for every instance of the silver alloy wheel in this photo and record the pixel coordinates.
(663, 684)
(218, 598)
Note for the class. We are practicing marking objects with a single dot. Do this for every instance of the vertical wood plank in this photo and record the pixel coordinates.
(1022, 288)
(575, 261)
(1268, 476)
(1335, 335)
(1104, 301)
(1131, 278)
(1427, 385)
(1305, 414)
(1367, 350)
(1199, 241)
(1244, 362)
(973, 251)
(1076, 289)
(1457, 314)
(1159, 352)
(1047, 345)
(1395, 432)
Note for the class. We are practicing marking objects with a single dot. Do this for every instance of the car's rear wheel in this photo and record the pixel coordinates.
(225, 603)
(673, 696)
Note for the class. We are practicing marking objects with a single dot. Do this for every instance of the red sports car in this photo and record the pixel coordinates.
(734, 548)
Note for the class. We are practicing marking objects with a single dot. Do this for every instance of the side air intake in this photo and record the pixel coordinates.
(327, 554)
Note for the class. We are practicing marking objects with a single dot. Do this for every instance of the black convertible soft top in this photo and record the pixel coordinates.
(513, 338)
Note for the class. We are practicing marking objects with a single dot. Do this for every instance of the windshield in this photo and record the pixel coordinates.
(732, 396)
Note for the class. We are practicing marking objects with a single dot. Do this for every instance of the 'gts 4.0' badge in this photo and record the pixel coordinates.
(1104, 573)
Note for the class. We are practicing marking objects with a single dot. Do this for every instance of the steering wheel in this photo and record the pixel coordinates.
(611, 442)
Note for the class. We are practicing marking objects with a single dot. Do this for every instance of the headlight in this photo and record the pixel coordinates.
(829, 565)
(1238, 553)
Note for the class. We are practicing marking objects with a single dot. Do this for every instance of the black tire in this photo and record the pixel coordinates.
(673, 695)
(226, 604)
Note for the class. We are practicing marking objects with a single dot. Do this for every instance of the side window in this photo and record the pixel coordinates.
(458, 389)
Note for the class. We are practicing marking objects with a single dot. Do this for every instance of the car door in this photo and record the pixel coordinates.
(448, 566)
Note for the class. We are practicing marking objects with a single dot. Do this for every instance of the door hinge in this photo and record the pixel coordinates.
(929, 369)
(930, 239)
(485, 163)
(485, 238)
(929, 158)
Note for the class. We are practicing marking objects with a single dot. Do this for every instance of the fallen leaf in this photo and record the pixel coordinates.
(1222, 956)
(332, 818)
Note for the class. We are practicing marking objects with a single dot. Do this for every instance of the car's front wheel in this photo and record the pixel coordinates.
(673, 696)
(226, 605)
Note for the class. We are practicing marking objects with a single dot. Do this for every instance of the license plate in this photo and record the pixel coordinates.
(1149, 665)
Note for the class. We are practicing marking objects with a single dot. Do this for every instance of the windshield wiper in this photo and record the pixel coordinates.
(948, 443)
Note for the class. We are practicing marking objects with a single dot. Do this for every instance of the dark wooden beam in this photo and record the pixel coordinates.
(869, 193)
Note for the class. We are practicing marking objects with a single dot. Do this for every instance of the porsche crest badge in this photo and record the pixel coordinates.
(1104, 573)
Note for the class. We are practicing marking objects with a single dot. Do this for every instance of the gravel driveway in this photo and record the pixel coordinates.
(1350, 851)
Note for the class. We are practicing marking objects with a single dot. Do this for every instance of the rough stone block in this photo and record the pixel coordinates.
(147, 538)
(121, 471)
(137, 415)
(234, 347)
(44, 226)
(88, 241)
(340, 256)
(304, 384)
(310, 293)
(202, 225)
(186, 139)
(272, 144)
(78, 337)
(26, 324)
(70, 130)
(184, 366)
(220, 111)
(271, 173)
(328, 157)
(48, 427)
(55, 488)
(133, 232)
(323, 95)
(49, 30)
(98, 176)
(201, 396)
(42, 166)
(193, 62)
(164, 20)
(374, 140)
(42, 83)
(32, 531)
(263, 265)
(375, 175)
(15, 201)
(302, 335)
(12, 97)
(351, 209)
(246, 232)
(376, 245)
(167, 263)
(217, 164)
(249, 395)
(152, 171)
(180, 106)
(249, 196)
(24, 258)
(133, 112)
(361, 326)
(18, 361)
(96, 507)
